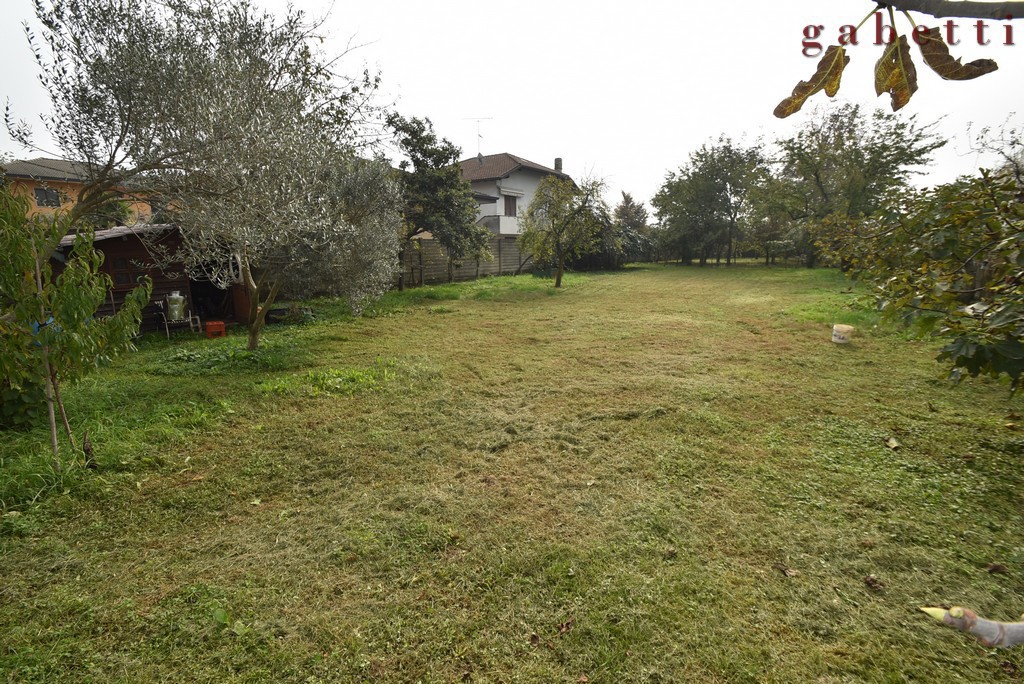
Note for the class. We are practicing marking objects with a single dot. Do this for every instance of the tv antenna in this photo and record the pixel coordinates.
(479, 136)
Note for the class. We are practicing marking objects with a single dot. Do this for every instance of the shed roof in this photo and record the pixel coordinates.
(493, 166)
(119, 231)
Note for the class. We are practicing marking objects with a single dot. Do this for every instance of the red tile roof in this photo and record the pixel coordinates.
(493, 166)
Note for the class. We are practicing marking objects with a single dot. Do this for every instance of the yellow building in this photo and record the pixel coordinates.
(54, 184)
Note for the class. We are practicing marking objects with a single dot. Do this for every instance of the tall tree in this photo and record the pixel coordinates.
(703, 205)
(436, 198)
(631, 223)
(843, 163)
(563, 221)
(625, 238)
(221, 111)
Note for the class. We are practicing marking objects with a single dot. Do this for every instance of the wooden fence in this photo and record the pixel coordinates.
(427, 262)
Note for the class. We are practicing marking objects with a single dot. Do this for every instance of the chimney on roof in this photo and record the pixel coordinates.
(558, 164)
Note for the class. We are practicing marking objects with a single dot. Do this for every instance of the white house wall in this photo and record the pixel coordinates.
(523, 184)
(488, 188)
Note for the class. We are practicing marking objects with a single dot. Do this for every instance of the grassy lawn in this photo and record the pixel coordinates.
(661, 475)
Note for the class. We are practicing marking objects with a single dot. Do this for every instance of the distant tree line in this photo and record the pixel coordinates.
(770, 201)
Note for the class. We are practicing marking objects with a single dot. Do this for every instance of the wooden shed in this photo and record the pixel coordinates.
(127, 258)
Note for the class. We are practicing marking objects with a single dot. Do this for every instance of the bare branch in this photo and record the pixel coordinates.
(988, 632)
(960, 8)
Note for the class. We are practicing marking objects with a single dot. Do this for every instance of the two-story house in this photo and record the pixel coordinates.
(504, 185)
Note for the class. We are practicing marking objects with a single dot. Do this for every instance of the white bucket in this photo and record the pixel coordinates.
(842, 334)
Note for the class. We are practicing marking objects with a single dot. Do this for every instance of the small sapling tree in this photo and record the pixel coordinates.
(51, 335)
(227, 116)
(564, 221)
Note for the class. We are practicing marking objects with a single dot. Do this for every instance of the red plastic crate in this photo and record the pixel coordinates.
(215, 329)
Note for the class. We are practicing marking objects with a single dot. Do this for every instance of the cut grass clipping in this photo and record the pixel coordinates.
(345, 381)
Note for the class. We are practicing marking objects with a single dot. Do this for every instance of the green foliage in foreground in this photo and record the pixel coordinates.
(50, 333)
(708, 494)
(951, 261)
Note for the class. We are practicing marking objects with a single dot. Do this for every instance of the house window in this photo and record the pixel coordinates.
(510, 206)
(47, 197)
(125, 274)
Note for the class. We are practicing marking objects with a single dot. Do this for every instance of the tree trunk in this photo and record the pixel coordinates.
(260, 319)
(63, 413)
(558, 274)
(50, 412)
(46, 366)
(401, 271)
(255, 329)
(728, 249)
(257, 311)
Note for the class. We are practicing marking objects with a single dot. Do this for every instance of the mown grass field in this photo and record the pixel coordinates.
(660, 475)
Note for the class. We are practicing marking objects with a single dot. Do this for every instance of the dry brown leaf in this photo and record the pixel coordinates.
(936, 55)
(874, 583)
(535, 639)
(828, 77)
(787, 571)
(893, 443)
(998, 569)
(583, 679)
(566, 626)
(896, 74)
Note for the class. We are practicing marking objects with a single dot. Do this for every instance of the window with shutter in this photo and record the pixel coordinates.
(47, 197)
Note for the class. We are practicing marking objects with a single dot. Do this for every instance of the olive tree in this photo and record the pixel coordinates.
(230, 118)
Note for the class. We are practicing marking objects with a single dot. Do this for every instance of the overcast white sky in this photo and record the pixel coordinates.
(620, 90)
